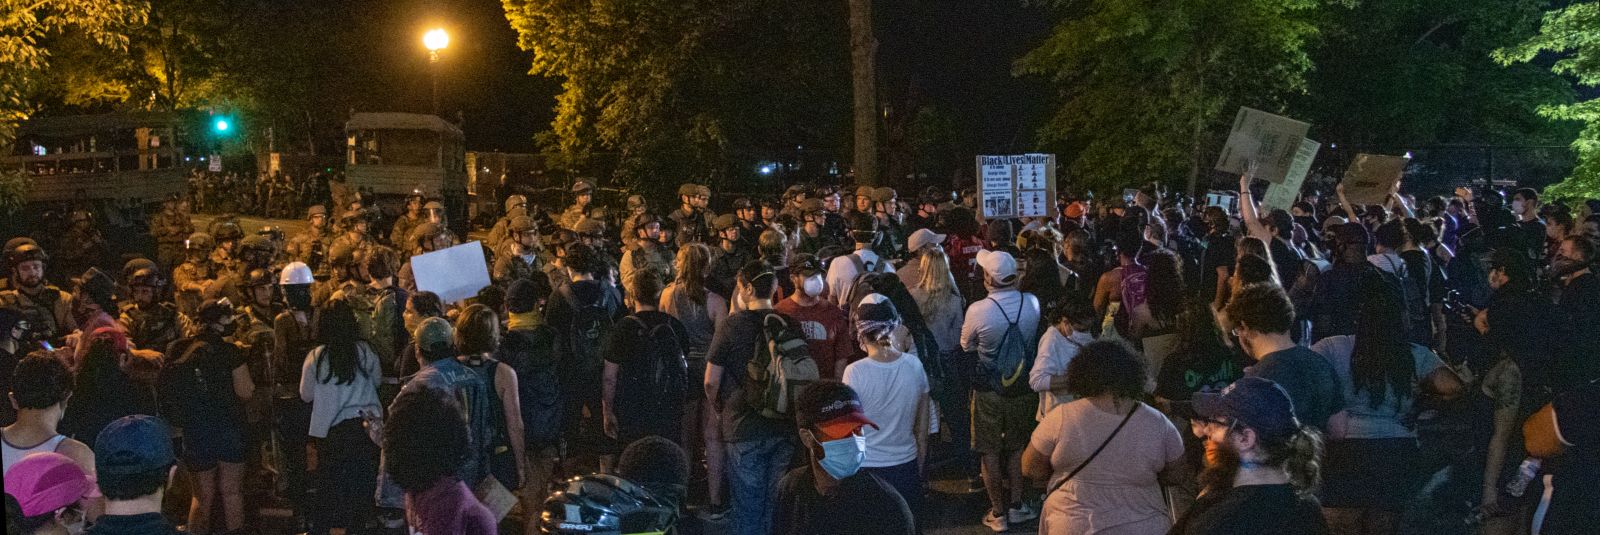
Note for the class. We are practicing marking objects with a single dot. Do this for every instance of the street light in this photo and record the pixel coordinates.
(435, 40)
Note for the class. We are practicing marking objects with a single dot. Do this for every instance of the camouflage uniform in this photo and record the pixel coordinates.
(191, 279)
(170, 229)
(311, 245)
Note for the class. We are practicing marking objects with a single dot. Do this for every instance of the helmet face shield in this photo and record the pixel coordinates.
(605, 504)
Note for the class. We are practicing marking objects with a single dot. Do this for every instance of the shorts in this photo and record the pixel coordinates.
(1372, 473)
(203, 449)
(1001, 424)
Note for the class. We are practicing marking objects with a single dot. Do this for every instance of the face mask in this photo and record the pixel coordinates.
(842, 458)
(1516, 207)
(813, 285)
(72, 521)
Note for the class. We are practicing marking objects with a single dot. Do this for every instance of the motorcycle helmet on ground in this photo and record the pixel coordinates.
(601, 504)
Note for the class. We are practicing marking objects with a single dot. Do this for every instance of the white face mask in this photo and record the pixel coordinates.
(813, 285)
(1516, 206)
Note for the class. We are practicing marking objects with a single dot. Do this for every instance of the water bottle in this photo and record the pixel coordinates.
(1528, 470)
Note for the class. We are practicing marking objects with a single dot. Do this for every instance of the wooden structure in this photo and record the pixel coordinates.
(132, 155)
(393, 154)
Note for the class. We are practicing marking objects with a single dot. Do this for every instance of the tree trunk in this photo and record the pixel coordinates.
(863, 74)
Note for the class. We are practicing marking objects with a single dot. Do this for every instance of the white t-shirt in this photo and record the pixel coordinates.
(889, 394)
(1118, 491)
(1055, 351)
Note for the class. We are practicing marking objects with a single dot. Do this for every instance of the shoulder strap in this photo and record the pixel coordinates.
(1096, 450)
(861, 265)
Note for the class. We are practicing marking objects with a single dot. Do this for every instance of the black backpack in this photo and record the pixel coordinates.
(660, 384)
(529, 353)
(587, 330)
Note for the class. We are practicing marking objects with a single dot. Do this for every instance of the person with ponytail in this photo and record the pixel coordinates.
(1373, 451)
(1261, 465)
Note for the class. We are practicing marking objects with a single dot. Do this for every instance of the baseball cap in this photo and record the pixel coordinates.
(754, 271)
(833, 408)
(45, 482)
(805, 265)
(432, 332)
(133, 445)
(923, 238)
(998, 265)
(1261, 404)
(1074, 210)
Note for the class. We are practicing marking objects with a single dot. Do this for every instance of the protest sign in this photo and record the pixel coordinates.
(1269, 140)
(1282, 195)
(1016, 186)
(456, 273)
(1370, 177)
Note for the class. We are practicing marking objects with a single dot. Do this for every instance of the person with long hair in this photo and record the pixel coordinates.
(203, 391)
(700, 310)
(340, 381)
(1120, 486)
(1261, 464)
(1164, 296)
(1372, 453)
(1078, 255)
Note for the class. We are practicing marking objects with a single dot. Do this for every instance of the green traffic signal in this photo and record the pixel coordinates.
(221, 125)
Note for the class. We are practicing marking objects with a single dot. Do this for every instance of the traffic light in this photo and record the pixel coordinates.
(221, 125)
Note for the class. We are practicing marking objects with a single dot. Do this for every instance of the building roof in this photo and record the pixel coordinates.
(79, 125)
(400, 121)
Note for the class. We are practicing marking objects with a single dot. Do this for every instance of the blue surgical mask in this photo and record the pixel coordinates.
(842, 458)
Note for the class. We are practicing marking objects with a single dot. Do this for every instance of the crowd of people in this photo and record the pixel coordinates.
(800, 364)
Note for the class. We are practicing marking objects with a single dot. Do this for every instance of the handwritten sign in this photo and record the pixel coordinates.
(1269, 140)
(456, 273)
(1370, 177)
(1021, 185)
(1281, 196)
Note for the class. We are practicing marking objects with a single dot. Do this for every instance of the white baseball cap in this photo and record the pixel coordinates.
(922, 238)
(998, 265)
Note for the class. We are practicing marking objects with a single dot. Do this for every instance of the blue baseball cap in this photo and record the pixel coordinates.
(1260, 404)
(133, 445)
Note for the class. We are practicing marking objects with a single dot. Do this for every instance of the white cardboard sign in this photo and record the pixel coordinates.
(456, 273)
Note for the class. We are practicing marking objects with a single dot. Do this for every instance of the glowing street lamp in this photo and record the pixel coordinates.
(435, 40)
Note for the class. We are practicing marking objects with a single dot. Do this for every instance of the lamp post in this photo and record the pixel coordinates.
(435, 40)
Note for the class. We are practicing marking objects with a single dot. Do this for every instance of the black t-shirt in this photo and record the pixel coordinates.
(1252, 509)
(1287, 260)
(862, 503)
(143, 524)
(1579, 311)
(1220, 252)
(732, 347)
(201, 387)
(628, 347)
(1575, 505)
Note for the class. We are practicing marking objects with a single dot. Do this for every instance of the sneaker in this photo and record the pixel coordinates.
(714, 513)
(996, 522)
(1021, 514)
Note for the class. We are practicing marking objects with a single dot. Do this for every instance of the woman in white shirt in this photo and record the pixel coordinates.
(339, 380)
(1068, 333)
(894, 393)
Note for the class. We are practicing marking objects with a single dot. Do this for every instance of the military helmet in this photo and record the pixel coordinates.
(81, 215)
(227, 231)
(256, 242)
(201, 241)
(135, 264)
(515, 201)
(259, 277)
(521, 224)
(149, 277)
(26, 252)
(642, 220)
(316, 210)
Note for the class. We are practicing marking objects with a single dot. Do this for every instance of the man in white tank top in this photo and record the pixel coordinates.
(41, 388)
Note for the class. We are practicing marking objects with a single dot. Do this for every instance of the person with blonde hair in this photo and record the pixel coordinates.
(699, 310)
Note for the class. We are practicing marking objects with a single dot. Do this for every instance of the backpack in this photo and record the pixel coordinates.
(538, 387)
(781, 367)
(660, 384)
(185, 392)
(1005, 371)
(586, 332)
(388, 326)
